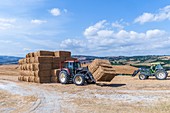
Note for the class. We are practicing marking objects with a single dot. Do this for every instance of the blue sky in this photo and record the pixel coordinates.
(86, 27)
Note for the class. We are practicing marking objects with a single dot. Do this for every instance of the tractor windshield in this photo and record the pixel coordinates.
(77, 65)
(158, 66)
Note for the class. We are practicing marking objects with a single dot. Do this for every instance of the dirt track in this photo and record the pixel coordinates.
(123, 95)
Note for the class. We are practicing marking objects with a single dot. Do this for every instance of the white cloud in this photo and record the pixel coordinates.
(163, 14)
(26, 49)
(99, 39)
(55, 11)
(92, 30)
(117, 25)
(6, 23)
(7, 20)
(38, 21)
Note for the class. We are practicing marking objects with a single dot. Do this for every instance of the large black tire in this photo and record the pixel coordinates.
(79, 79)
(161, 74)
(64, 78)
(142, 77)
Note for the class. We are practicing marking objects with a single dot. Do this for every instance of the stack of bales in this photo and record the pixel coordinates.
(42, 66)
(102, 70)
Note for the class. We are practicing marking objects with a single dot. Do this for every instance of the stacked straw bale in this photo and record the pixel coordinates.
(102, 70)
(42, 66)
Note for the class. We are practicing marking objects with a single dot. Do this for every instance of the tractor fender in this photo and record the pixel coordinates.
(66, 70)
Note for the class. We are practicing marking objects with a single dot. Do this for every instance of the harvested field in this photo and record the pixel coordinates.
(124, 94)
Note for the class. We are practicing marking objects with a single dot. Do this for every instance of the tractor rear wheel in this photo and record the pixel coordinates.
(64, 77)
(142, 77)
(161, 75)
(79, 79)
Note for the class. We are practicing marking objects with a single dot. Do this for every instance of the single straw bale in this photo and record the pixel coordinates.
(31, 79)
(43, 59)
(25, 78)
(42, 67)
(31, 67)
(32, 60)
(42, 73)
(104, 74)
(27, 73)
(62, 53)
(20, 61)
(31, 54)
(43, 53)
(27, 60)
(24, 61)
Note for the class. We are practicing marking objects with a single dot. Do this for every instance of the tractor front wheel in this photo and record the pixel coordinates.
(161, 75)
(142, 77)
(64, 77)
(79, 79)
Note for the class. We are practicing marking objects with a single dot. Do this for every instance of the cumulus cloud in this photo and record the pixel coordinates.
(38, 21)
(100, 38)
(55, 11)
(75, 45)
(163, 14)
(117, 25)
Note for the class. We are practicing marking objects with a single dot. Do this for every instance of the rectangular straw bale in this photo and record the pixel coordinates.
(55, 72)
(27, 73)
(42, 79)
(57, 59)
(24, 66)
(32, 60)
(31, 67)
(31, 79)
(20, 61)
(57, 65)
(62, 53)
(43, 59)
(42, 67)
(27, 60)
(31, 54)
(43, 53)
(28, 67)
(24, 61)
(25, 78)
(104, 74)
(42, 73)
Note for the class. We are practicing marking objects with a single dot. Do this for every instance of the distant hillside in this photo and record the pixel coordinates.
(9, 60)
(137, 61)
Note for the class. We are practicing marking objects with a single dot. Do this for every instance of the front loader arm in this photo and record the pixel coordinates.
(136, 72)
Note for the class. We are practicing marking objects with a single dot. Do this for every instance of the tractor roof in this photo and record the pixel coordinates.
(155, 63)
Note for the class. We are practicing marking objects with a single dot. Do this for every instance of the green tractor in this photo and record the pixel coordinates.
(155, 69)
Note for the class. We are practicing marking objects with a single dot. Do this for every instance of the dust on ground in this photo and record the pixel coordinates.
(125, 94)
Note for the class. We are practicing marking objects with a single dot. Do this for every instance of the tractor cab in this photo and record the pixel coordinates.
(72, 66)
(155, 66)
